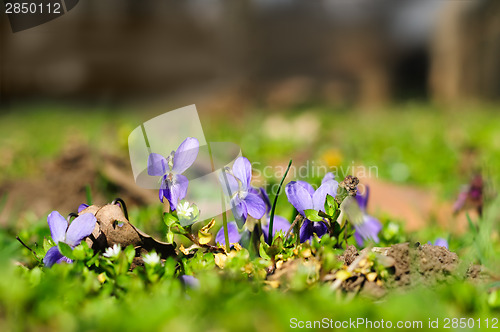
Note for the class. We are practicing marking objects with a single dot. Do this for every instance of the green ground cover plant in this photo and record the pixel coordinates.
(300, 254)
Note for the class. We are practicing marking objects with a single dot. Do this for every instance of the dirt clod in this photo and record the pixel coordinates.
(349, 255)
(426, 264)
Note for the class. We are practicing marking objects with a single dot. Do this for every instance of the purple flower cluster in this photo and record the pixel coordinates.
(303, 197)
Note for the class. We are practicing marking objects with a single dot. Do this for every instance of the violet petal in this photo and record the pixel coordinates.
(157, 164)
(362, 199)
(460, 202)
(359, 239)
(234, 235)
(263, 194)
(80, 228)
(309, 228)
(306, 231)
(190, 281)
(369, 229)
(52, 256)
(328, 176)
(64, 259)
(441, 243)
(240, 211)
(177, 190)
(279, 224)
(161, 194)
(58, 225)
(319, 228)
(231, 183)
(185, 155)
(256, 207)
(242, 169)
(319, 197)
(298, 196)
(307, 186)
(82, 207)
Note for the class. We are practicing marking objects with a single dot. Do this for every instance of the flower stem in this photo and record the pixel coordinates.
(273, 209)
(32, 251)
(224, 218)
(122, 205)
(298, 219)
(224, 215)
(88, 192)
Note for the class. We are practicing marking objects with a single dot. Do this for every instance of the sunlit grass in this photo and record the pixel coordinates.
(415, 144)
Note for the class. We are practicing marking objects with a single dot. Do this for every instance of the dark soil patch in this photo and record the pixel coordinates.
(63, 186)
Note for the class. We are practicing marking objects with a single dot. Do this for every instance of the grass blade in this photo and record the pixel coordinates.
(271, 218)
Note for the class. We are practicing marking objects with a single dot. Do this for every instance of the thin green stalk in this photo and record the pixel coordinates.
(88, 191)
(224, 215)
(273, 209)
(223, 204)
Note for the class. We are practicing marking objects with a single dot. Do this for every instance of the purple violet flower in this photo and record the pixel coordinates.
(81, 227)
(233, 233)
(471, 196)
(173, 184)
(279, 224)
(440, 242)
(265, 197)
(82, 207)
(370, 226)
(190, 281)
(303, 197)
(245, 200)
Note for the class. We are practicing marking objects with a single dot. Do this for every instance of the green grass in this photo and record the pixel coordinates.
(416, 144)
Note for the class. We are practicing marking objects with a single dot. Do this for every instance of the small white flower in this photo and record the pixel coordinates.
(184, 210)
(113, 252)
(151, 258)
(187, 213)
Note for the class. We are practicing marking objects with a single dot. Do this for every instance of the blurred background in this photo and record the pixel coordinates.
(274, 53)
(408, 86)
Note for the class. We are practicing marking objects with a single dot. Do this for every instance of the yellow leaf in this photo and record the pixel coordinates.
(102, 278)
(371, 276)
(207, 227)
(183, 250)
(220, 260)
(306, 253)
(248, 268)
(272, 283)
(342, 275)
(204, 235)
(204, 238)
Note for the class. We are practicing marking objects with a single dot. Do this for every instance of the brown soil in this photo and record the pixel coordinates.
(63, 186)
(349, 255)
(408, 266)
(421, 264)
